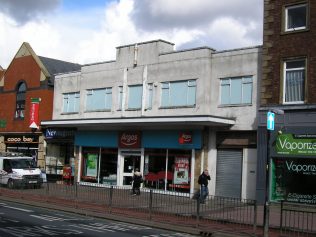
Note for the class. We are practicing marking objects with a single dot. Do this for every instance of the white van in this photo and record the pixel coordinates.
(19, 171)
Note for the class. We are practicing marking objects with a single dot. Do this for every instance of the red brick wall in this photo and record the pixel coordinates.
(278, 46)
(24, 68)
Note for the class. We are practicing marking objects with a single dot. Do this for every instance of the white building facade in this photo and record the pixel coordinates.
(169, 113)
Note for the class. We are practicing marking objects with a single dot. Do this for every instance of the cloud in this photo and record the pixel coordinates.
(88, 35)
(164, 14)
(26, 10)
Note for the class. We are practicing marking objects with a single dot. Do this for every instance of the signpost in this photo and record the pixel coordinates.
(270, 127)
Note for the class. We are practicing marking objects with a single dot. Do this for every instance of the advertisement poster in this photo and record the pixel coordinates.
(293, 180)
(181, 170)
(92, 164)
(34, 110)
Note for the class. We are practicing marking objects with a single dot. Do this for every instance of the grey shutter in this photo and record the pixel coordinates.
(228, 173)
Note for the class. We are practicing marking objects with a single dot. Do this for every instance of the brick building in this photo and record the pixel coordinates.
(288, 88)
(26, 95)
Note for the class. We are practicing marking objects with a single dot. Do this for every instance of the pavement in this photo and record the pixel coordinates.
(136, 215)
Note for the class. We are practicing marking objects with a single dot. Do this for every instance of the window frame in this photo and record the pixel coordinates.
(20, 101)
(244, 81)
(107, 99)
(129, 107)
(285, 70)
(167, 85)
(76, 107)
(286, 18)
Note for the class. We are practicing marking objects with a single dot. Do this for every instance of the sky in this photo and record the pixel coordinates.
(88, 31)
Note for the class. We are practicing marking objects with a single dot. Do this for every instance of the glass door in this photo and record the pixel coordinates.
(130, 164)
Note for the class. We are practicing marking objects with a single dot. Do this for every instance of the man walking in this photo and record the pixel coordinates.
(203, 182)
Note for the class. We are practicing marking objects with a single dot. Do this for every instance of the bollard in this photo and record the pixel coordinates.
(110, 199)
(150, 203)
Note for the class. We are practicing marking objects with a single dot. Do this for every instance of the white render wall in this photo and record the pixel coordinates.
(156, 62)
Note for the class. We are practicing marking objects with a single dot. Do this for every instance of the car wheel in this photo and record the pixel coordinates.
(10, 184)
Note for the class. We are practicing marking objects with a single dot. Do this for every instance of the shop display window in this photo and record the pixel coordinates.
(167, 169)
(96, 170)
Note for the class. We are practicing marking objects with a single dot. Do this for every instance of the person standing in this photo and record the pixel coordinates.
(137, 180)
(203, 182)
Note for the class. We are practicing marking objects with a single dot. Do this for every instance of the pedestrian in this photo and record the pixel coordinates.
(137, 180)
(203, 182)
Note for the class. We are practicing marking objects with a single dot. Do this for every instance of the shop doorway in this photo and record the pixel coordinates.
(130, 161)
(130, 164)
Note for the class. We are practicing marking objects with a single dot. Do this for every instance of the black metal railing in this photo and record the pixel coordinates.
(297, 219)
(156, 205)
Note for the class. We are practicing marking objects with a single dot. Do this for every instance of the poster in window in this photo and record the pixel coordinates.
(92, 161)
(181, 170)
(293, 180)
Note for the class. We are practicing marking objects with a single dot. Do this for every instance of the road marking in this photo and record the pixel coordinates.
(15, 208)
(91, 228)
(56, 218)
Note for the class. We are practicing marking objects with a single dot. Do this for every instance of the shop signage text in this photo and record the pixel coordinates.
(54, 133)
(185, 138)
(130, 139)
(20, 139)
(286, 144)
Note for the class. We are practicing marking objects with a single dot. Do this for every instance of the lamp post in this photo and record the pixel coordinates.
(266, 211)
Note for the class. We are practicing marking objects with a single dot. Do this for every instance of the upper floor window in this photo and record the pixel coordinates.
(236, 90)
(296, 17)
(178, 94)
(135, 93)
(99, 99)
(71, 102)
(294, 81)
(120, 97)
(20, 101)
(149, 99)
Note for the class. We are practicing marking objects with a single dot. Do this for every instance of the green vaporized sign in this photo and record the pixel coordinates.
(287, 144)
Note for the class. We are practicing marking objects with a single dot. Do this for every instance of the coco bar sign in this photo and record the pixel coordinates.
(286, 144)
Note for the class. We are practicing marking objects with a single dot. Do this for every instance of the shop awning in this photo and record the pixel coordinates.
(143, 121)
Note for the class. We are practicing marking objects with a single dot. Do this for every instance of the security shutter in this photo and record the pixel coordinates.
(228, 173)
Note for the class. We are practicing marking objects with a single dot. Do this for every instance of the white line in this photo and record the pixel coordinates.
(19, 209)
(91, 228)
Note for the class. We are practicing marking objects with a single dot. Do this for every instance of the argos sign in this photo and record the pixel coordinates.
(130, 140)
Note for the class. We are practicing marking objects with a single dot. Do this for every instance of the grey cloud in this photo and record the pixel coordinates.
(23, 11)
(243, 11)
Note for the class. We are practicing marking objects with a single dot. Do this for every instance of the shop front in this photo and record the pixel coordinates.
(26, 144)
(165, 158)
(59, 152)
(293, 168)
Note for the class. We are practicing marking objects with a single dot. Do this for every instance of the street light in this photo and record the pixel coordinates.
(270, 127)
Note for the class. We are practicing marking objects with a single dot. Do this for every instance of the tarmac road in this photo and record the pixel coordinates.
(17, 220)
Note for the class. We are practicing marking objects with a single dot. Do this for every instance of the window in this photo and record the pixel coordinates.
(20, 101)
(178, 94)
(294, 81)
(296, 17)
(71, 102)
(120, 97)
(99, 99)
(236, 90)
(149, 96)
(135, 93)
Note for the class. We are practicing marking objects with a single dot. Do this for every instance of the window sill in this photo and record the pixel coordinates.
(98, 110)
(68, 113)
(287, 32)
(131, 109)
(294, 103)
(234, 105)
(178, 107)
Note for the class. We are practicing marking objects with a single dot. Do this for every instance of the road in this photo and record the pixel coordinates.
(26, 221)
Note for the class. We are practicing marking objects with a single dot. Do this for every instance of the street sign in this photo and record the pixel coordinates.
(270, 121)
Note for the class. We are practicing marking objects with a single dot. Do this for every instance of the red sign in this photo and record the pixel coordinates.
(34, 121)
(185, 138)
(129, 140)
